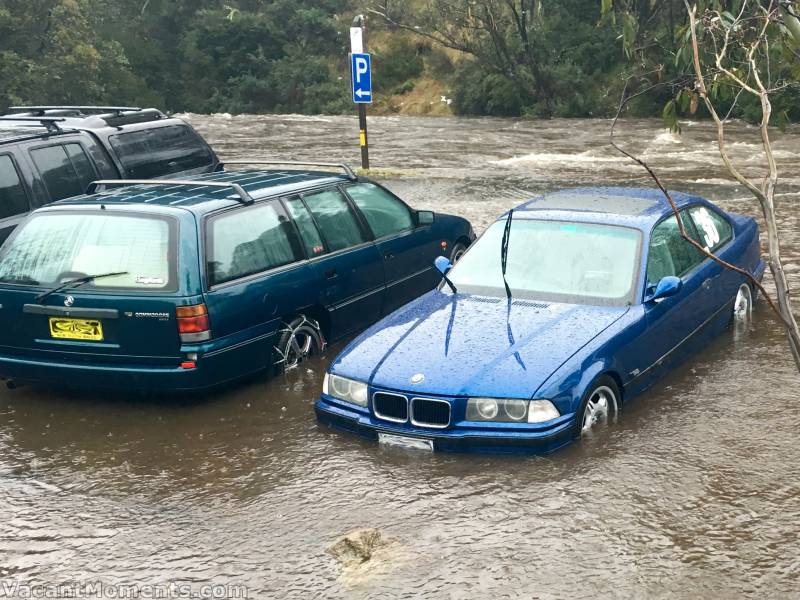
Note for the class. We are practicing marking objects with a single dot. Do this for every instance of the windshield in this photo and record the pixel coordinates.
(559, 261)
(52, 248)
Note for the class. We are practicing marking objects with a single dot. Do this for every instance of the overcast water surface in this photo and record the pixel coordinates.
(693, 493)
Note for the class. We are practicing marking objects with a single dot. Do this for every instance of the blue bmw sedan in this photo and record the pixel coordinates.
(562, 310)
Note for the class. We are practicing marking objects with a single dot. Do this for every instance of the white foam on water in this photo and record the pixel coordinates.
(549, 158)
(667, 137)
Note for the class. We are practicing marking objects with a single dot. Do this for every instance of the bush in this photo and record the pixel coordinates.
(400, 60)
(477, 93)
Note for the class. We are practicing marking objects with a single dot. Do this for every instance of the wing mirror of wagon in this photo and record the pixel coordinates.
(667, 286)
(425, 217)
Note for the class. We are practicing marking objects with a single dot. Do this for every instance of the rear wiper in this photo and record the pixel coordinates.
(74, 283)
(504, 250)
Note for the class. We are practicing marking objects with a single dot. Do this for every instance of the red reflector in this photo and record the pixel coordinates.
(444, 244)
(188, 364)
(193, 324)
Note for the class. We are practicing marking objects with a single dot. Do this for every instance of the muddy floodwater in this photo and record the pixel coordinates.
(694, 492)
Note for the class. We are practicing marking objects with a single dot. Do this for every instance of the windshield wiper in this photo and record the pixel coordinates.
(74, 283)
(21, 279)
(504, 250)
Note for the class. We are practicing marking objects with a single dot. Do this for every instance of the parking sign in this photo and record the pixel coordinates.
(361, 75)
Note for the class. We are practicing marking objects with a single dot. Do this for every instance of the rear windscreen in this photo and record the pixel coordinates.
(160, 151)
(52, 248)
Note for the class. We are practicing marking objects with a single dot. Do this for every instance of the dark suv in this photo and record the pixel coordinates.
(48, 153)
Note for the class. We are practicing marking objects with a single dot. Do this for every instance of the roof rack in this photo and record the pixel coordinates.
(42, 110)
(348, 171)
(51, 123)
(243, 196)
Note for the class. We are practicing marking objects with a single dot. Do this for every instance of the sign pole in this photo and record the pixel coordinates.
(361, 72)
(363, 139)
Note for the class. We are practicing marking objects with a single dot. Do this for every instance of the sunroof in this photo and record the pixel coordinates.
(602, 203)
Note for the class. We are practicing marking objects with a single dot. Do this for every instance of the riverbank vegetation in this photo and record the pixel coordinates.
(537, 58)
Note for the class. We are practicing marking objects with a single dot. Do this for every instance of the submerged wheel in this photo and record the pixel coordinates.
(458, 252)
(600, 406)
(743, 305)
(300, 339)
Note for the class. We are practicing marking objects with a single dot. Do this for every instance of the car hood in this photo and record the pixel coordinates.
(472, 345)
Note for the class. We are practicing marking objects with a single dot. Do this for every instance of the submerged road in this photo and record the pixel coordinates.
(694, 493)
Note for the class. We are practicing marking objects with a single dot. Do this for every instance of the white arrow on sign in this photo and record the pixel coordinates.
(362, 93)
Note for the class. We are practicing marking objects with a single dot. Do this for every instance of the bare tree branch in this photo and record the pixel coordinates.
(765, 194)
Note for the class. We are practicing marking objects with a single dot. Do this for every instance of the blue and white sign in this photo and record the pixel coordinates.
(361, 74)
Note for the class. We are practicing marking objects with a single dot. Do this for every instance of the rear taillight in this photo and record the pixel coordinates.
(193, 323)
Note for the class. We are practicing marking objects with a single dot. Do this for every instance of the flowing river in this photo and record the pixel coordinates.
(695, 492)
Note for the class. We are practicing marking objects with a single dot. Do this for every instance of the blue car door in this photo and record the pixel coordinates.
(671, 321)
(347, 262)
(404, 246)
(256, 274)
(715, 232)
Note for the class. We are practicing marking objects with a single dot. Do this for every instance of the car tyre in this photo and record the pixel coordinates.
(300, 338)
(599, 408)
(458, 251)
(743, 305)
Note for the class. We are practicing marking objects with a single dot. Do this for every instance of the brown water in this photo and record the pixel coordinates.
(694, 493)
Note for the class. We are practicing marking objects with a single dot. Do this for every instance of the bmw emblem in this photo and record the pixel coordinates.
(418, 378)
(69, 301)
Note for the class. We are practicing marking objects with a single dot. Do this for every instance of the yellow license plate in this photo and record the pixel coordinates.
(76, 329)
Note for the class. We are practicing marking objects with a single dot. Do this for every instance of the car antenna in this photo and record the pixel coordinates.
(504, 251)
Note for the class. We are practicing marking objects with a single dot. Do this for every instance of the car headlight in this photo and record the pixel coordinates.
(506, 410)
(342, 388)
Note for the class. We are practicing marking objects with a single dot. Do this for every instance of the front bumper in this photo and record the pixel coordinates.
(456, 438)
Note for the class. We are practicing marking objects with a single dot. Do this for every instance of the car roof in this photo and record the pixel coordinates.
(17, 131)
(633, 207)
(23, 123)
(200, 199)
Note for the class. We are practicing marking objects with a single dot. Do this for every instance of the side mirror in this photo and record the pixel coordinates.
(668, 286)
(425, 217)
(442, 264)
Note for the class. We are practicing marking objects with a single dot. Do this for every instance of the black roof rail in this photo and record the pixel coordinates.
(130, 118)
(243, 196)
(348, 171)
(42, 110)
(51, 123)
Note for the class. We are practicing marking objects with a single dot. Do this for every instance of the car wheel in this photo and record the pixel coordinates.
(300, 338)
(743, 305)
(457, 253)
(600, 406)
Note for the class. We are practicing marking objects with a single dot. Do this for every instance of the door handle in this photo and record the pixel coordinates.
(388, 255)
(707, 284)
(330, 274)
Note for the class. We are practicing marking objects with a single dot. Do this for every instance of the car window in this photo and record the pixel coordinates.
(53, 247)
(385, 214)
(714, 230)
(159, 151)
(670, 254)
(65, 170)
(336, 219)
(13, 200)
(248, 241)
(308, 230)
